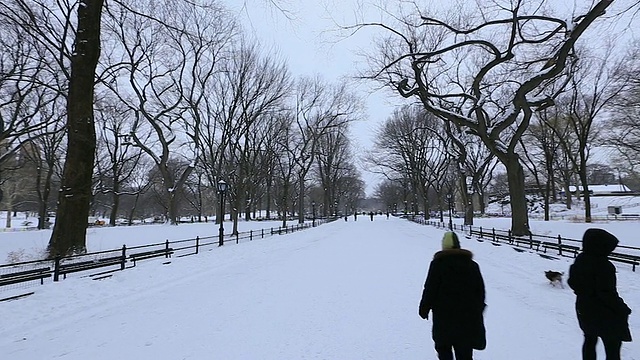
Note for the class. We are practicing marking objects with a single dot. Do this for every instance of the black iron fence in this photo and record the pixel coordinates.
(548, 246)
(125, 257)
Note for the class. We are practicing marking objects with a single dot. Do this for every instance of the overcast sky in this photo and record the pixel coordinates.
(305, 39)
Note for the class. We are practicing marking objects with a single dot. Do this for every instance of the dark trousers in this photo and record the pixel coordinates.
(463, 352)
(611, 348)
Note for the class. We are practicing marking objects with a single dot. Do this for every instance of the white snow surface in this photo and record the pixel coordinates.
(343, 290)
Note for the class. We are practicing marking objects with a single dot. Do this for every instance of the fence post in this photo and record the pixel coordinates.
(262, 234)
(124, 256)
(237, 237)
(250, 235)
(559, 245)
(530, 241)
(481, 235)
(510, 238)
(166, 249)
(56, 269)
(197, 243)
(493, 230)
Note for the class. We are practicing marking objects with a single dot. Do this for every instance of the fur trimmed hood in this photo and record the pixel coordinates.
(453, 252)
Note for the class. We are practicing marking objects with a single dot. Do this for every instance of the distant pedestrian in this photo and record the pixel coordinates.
(371, 215)
(355, 216)
(454, 293)
(601, 311)
(387, 215)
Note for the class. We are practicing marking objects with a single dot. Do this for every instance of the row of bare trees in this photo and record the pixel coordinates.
(501, 75)
(163, 100)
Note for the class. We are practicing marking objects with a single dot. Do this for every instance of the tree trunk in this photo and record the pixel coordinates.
(42, 207)
(69, 231)
(547, 190)
(114, 207)
(301, 201)
(466, 201)
(173, 207)
(519, 214)
(285, 200)
(115, 202)
(9, 217)
(133, 209)
(585, 190)
(268, 207)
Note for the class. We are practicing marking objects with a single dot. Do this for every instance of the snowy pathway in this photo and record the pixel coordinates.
(345, 290)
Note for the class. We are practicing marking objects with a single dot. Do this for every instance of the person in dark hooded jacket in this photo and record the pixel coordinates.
(454, 293)
(601, 312)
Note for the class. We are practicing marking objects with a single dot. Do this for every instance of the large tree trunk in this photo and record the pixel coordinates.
(115, 204)
(585, 190)
(519, 213)
(133, 209)
(9, 210)
(69, 231)
(467, 204)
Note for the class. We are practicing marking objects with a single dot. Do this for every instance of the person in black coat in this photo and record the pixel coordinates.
(601, 312)
(454, 293)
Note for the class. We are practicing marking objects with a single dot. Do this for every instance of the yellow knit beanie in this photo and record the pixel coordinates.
(450, 241)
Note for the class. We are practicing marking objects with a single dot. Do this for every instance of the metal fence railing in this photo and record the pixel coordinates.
(36, 272)
(547, 246)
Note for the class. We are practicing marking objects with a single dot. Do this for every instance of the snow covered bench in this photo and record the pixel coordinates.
(150, 254)
(25, 275)
(626, 259)
(67, 268)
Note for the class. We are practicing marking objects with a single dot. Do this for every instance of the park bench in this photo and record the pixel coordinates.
(626, 259)
(26, 275)
(526, 243)
(150, 254)
(560, 247)
(67, 268)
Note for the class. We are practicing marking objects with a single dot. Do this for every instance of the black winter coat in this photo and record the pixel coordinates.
(601, 311)
(454, 292)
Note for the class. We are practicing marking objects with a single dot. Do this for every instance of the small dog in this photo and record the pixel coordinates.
(554, 277)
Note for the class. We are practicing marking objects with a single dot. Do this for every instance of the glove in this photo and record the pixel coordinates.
(423, 314)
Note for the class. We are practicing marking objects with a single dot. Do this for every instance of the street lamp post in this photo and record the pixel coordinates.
(222, 188)
(313, 213)
(449, 196)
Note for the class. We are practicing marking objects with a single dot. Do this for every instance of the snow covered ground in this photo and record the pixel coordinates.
(344, 290)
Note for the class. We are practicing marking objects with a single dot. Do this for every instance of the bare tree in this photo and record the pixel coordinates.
(486, 73)
(624, 128)
(542, 157)
(163, 83)
(593, 90)
(44, 152)
(116, 158)
(320, 108)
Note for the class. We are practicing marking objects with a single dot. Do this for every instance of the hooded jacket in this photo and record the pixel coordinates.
(454, 292)
(601, 311)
